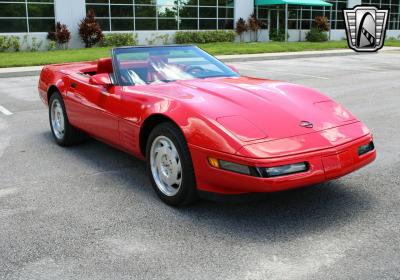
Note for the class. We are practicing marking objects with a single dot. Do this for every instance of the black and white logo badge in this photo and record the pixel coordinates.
(365, 28)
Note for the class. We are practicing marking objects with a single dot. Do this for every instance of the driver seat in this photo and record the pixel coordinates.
(104, 66)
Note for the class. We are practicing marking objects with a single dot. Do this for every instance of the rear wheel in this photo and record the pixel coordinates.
(64, 134)
(169, 165)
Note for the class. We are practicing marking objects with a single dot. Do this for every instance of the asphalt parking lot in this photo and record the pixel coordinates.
(88, 212)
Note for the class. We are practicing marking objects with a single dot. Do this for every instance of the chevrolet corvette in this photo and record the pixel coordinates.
(201, 126)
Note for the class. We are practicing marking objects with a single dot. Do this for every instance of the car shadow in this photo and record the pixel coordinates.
(287, 214)
(274, 216)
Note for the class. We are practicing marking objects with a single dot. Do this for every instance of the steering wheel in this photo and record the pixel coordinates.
(194, 70)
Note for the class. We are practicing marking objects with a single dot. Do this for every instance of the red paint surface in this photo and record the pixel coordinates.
(244, 120)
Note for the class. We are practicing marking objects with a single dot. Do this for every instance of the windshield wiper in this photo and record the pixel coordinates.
(216, 76)
(164, 81)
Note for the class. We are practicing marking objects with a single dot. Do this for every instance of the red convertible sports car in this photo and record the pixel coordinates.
(201, 126)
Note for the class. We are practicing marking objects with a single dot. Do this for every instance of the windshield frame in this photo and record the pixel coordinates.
(212, 59)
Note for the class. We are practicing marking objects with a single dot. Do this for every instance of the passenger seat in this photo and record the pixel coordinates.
(104, 65)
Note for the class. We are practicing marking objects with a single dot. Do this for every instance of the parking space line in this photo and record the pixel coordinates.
(303, 75)
(285, 72)
(5, 111)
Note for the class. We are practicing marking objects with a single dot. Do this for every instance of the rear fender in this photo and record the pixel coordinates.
(50, 81)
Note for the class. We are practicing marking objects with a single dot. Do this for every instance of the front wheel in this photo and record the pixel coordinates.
(64, 134)
(169, 165)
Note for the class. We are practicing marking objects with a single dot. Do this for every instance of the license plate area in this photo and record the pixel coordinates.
(336, 164)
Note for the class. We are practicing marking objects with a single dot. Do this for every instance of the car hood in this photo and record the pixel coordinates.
(253, 109)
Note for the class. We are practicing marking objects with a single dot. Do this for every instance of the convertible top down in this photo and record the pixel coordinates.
(200, 125)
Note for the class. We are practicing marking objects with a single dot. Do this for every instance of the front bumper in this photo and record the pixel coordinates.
(324, 165)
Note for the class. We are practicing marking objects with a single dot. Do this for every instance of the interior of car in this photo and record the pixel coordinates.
(134, 72)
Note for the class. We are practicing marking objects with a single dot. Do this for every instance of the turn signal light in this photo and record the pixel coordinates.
(259, 171)
(229, 166)
(213, 162)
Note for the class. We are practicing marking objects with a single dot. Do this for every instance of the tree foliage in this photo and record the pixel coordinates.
(241, 28)
(321, 23)
(254, 25)
(318, 30)
(90, 30)
(61, 35)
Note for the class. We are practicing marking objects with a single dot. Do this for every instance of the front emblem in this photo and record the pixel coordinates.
(306, 124)
(365, 28)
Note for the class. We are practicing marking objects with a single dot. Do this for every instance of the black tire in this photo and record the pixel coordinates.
(71, 135)
(187, 192)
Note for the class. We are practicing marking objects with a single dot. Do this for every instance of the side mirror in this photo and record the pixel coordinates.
(101, 80)
(233, 68)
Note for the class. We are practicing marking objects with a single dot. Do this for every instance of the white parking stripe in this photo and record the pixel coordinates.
(303, 75)
(277, 71)
(5, 111)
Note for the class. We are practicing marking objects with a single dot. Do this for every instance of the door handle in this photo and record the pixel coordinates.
(104, 92)
(74, 85)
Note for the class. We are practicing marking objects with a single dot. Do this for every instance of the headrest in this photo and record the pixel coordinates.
(104, 65)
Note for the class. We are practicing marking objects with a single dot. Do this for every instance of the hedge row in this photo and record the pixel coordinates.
(119, 40)
(9, 43)
(13, 43)
(181, 37)
(201, 37)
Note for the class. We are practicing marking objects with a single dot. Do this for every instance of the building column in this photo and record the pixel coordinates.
(243, 9)
(352, 3)
(70, 13)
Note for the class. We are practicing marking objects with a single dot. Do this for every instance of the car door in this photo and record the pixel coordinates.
(93, 108)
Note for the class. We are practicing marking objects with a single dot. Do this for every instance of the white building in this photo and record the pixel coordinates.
(149, 18)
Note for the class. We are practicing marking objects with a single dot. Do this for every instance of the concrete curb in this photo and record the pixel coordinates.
(35, 70)
(277, 56)
(20, 71)
(295, 55)
(20, 74)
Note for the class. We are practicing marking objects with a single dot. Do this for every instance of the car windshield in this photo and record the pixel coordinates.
(151, 65)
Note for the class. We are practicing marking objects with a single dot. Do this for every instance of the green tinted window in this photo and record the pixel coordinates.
(116, 15)
(26, 16)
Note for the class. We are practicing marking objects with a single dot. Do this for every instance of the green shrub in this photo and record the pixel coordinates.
(3, 43)
(277, 35)
(51, 46)
(201, 37)
(15, 43)
(158, 39)
(316, 35)
(34, 45)
(9, 43)
(119, 40)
